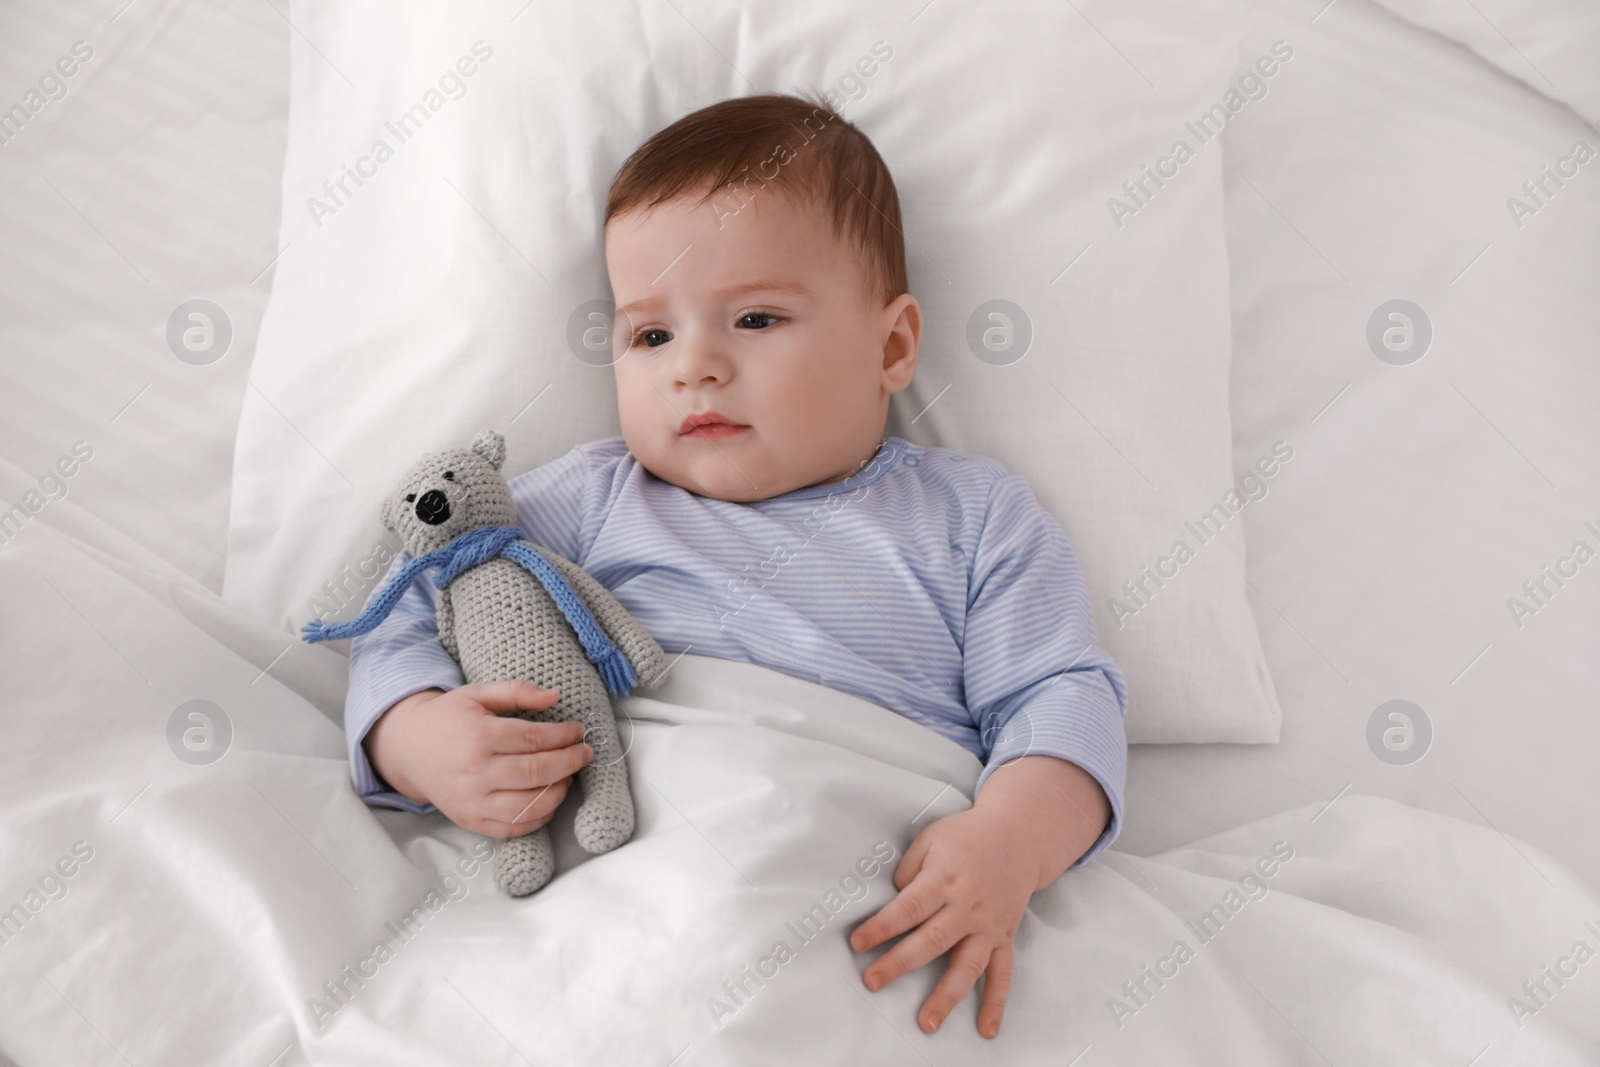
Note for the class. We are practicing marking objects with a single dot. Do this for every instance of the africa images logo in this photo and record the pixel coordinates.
(338, 191)
(1251, 486)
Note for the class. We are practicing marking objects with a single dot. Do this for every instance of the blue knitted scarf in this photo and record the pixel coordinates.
(467, 551)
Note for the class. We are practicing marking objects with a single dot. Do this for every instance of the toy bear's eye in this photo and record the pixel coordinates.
(410, 497)
(449, 476)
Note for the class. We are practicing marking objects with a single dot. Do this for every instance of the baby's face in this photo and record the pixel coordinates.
(765, 321)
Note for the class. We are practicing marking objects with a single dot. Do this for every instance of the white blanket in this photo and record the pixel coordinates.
(179, 913)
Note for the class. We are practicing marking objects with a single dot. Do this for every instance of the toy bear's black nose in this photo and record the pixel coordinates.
(433, 507)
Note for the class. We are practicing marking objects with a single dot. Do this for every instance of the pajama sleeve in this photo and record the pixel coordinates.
(403, 655)
(1037, 683)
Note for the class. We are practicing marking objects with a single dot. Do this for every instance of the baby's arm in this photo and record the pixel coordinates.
(422, 741)
(1049, 704)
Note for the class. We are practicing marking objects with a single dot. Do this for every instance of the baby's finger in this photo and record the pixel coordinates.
(996, 987)
(518, 735)
(506, 697)
(514, 812)
(910, 907)
(911, 862)
(924, 944)
(535, 770)
(966, 964)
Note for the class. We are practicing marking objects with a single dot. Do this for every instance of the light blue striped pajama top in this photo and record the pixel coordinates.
(932, 583)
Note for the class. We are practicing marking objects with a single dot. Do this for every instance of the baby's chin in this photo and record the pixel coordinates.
(727, 469)
(711, 472)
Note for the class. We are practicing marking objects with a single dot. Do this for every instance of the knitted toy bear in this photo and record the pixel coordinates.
(509, 609)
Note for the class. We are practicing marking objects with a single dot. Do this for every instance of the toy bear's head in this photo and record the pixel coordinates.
(448, 493)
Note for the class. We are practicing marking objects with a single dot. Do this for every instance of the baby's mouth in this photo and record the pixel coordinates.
(710, 424)
(717, 429)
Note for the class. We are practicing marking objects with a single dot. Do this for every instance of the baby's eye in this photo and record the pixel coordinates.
(652, 338)
(756, 320)
(449, 476)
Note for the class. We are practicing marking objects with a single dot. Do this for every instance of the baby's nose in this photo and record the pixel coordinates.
(699, 362)
(433, 507)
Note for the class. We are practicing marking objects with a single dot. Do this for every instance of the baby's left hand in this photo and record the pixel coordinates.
(964, 884)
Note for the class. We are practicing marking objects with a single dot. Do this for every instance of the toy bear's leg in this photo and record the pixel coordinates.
(524, 864)
(605, 819)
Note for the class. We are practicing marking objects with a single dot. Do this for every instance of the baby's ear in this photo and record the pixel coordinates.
(491, 446)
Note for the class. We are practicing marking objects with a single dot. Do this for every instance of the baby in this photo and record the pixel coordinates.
(756, 256)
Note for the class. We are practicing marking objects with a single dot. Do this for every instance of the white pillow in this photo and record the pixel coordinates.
(447, 291)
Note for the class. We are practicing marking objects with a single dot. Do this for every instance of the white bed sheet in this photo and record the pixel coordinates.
(1418, 502)
(757, 793)
(154, 180)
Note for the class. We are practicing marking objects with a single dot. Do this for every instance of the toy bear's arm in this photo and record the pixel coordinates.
(648, 659)
(445, 616)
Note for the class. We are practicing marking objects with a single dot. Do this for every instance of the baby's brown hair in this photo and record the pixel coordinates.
(805, 148)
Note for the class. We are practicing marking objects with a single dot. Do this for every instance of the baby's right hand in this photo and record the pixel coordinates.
(463, 752)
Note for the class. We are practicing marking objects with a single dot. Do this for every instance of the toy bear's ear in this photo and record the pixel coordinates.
(386, 513)
(491, 446)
